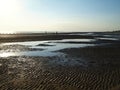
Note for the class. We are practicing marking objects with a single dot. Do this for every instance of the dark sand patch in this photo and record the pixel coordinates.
(108, 54)
(45, 45)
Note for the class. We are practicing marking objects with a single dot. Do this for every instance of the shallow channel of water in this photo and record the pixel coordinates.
(47, 50)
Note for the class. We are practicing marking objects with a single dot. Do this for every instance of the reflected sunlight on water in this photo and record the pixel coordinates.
(19, 48)
(7, 54)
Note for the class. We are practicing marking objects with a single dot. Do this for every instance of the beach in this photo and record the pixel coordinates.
(90, 67)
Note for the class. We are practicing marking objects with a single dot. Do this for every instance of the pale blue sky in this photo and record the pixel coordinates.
(59, 15)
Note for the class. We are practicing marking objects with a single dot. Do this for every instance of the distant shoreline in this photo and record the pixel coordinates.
(21, 38)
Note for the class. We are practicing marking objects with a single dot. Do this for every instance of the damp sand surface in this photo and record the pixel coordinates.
(89, 68)
(72, 67)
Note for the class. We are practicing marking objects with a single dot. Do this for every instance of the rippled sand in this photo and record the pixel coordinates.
(45, 73)
(89, 68)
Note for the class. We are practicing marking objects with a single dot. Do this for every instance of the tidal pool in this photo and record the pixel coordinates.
(47, 50)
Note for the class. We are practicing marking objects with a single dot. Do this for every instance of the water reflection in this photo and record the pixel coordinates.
(8, 54)
(48, 50)
(76, 40)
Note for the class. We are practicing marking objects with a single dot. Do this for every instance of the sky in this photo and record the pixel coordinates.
(59, 15)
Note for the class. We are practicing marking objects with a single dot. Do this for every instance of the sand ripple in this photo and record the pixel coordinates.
(37, 74)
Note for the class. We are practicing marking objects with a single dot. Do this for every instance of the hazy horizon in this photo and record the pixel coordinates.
(59, 15)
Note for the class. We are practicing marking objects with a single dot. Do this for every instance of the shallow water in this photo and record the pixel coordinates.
(48, 50)
(106, 38)
(48, 46)
(75, 40)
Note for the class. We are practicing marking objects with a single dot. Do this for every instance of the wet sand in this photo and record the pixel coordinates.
(100, 71)
(34, 37)
(88, 68)
(31, 75)
(103, 62)
(100, 55)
